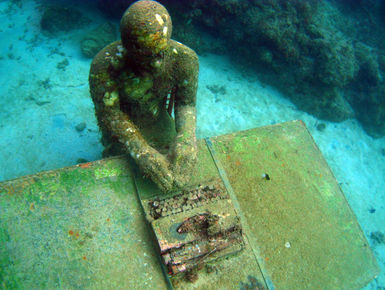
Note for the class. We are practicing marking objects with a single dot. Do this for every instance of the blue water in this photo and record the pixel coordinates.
(47, 117)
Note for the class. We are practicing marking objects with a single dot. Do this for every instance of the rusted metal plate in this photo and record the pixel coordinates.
(194, 227)
(83, 226)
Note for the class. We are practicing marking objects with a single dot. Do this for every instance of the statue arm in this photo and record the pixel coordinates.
(112, 120)
(184, 150)
(151, 162)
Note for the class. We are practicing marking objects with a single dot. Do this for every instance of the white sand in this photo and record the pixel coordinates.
(37, 124)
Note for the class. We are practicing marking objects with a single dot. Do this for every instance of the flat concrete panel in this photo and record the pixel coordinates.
(76, 228)
(300, 222)
(83, 226)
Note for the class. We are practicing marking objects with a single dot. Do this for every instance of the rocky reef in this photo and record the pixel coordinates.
(96, 39)
(56, 19)
(327, 56)
(114, 8)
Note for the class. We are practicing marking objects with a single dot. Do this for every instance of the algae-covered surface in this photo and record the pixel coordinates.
(238, 270)
(75, 228)
(83, 226)
(303, 228)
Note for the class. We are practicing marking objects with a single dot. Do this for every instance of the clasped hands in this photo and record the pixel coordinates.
(174, 170)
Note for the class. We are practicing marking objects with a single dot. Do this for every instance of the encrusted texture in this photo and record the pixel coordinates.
(326, 56)
(136, 84)
(186, 200)
(194, 227)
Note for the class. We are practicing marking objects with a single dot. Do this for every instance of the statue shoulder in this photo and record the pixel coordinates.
(102, 61)
(101, 79)
(186, 60)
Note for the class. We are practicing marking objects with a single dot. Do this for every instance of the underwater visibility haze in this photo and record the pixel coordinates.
(260, 63)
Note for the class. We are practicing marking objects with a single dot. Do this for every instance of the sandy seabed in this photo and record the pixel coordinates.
(47, 117)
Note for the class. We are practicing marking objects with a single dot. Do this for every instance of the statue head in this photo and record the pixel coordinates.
(146, 29)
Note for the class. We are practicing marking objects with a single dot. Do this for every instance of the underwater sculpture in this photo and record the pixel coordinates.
(136, 84)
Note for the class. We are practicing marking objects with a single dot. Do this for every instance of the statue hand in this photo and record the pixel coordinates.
(157, 168)
(184, 158)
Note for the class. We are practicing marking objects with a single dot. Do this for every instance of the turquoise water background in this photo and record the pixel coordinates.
(47, 117)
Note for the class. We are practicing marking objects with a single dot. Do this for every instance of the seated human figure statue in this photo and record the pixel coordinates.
(137, 85)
